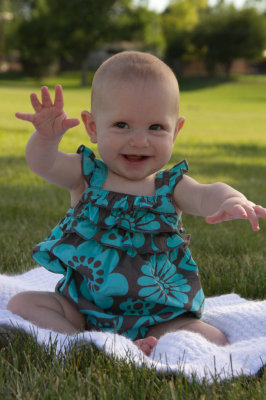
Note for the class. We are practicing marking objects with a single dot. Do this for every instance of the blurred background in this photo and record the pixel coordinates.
(195, 37)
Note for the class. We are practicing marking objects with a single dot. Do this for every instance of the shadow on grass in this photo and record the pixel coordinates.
(235, 159)
(198, 83)
(240, 173)
(18, 161)
(69, 80)
(72, 80)
(229, 149)
(244, 150)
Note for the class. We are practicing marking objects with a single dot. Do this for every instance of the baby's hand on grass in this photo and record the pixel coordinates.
(49, 119)
(236, 208)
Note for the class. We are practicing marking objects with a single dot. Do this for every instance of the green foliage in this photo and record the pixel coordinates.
(2, 42)
(138, 23)
(217, 34)
(182, 15)
(30, 33)
(37, 51)
(46, 31)
(178, 23)
(79, 25)
(224, 34)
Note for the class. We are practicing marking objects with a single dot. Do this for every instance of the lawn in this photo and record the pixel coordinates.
(224, 139)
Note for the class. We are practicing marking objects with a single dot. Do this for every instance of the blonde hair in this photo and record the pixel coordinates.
(129, 66)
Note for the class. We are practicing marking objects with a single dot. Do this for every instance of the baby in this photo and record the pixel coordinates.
(121, 249)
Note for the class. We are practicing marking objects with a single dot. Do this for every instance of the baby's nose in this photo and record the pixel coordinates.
(139, 139)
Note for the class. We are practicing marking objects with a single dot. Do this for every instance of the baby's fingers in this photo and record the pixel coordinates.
(260, 211)
(35, 102)
(25, 116)
(254, 213)
(59, 98)
(253, 218)
(219, 216)
(70, 123)
(46, 98)
(237, 212)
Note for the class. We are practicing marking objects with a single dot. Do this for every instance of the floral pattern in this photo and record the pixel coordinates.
(136, 307)
(161, 283)
(124, 261)
(138, 221)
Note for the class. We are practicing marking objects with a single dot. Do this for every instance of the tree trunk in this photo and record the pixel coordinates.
(227, 68)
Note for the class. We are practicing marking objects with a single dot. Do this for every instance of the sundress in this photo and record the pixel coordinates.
(125, 259)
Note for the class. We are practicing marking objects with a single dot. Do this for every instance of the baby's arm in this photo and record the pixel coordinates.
(42, 154)
(217, 202)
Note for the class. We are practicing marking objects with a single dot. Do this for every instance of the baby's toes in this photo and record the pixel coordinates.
(146, 345)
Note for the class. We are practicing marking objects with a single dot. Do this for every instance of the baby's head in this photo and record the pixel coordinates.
(131, 67)
(134, 112)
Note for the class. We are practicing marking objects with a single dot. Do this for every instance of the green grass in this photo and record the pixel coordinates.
(224, 139)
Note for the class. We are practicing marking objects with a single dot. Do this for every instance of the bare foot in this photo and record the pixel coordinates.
(146, 345)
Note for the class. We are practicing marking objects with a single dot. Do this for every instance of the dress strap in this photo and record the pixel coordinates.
(93, 170)
(167, 179)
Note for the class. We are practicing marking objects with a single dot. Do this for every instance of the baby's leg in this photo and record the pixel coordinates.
(48, 310)
(211, 333)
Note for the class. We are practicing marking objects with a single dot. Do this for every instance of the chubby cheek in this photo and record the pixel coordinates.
(166, 151)
(107, 148)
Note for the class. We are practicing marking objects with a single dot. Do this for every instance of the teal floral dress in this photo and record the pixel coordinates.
(124, 259)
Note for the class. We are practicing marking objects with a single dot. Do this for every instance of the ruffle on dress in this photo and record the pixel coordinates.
(137, 214)
(117, 237)
(125, 202)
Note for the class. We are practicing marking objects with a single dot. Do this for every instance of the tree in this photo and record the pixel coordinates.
(37, 52)
(2, 40)
(103, 21)
(47, 30)
(178, 22)
(138, 23)
(30, 33)
(5, 18)
(226, 33)
(81, 26)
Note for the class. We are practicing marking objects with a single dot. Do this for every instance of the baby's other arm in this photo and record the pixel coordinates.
(216, 202)
(42, 154)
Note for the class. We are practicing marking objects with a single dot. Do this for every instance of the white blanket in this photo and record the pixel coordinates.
(243, 322)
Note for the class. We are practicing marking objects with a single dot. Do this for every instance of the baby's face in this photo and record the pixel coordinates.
(136, 125)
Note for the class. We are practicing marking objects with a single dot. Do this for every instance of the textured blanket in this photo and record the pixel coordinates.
(243, 322)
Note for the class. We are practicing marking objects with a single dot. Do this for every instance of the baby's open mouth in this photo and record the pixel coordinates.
(133, 157)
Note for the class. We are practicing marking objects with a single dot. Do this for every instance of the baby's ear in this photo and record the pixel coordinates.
(179, 126)
(90, 125)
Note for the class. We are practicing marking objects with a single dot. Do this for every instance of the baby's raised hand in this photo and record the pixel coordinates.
(238, 208)
(49, 119)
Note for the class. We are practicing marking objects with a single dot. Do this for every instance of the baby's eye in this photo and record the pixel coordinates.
(156, 127)
(121, 125)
